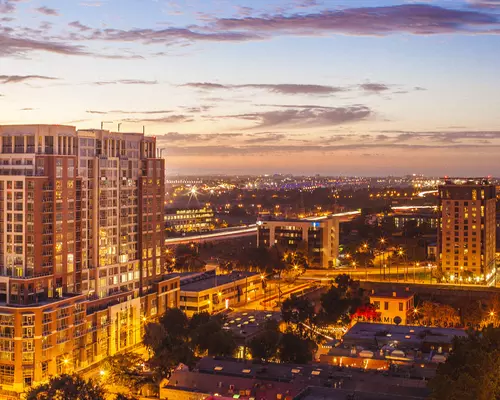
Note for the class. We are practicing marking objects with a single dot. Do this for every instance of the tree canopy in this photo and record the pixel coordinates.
(66, 387)
(177, 339)
(471, 371)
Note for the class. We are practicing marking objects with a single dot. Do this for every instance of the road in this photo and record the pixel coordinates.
(395, 273)
(249, 230)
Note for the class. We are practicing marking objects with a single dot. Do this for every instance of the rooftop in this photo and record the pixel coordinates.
(247, 323)
(397, 294)
(264, 381)
(210, 280)
(403, 334)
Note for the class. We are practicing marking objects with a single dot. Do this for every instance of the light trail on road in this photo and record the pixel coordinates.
(425, 193)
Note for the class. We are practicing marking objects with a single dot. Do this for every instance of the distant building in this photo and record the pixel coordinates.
(392, 306)
(214, 293)
(430, 219)
(190, 220)
(320, 238)
(467, 230)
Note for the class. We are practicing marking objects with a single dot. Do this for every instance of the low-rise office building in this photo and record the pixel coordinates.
(214, 293)
(320, 238)
(190, 220)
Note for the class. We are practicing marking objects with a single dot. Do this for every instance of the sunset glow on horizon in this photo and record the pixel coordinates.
(306, 86)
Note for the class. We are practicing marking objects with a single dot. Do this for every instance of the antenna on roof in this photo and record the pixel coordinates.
(105, 122)
(119, 125)
(143, 129)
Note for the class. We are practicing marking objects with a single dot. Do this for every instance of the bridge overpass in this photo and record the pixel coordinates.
(232, 233)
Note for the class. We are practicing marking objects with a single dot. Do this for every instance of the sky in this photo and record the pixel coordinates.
(352, 87)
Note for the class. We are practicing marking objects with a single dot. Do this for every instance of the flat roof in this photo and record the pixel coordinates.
(246, 323)
(209, 282)
(402, 333)
(393, 295)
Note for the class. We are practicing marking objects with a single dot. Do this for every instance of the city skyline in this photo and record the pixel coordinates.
(329, 87)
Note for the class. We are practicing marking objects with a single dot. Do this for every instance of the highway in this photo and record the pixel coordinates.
(232, 233)
(248, 230)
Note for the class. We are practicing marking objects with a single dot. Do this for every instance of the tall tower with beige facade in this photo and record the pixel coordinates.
(81, 248)
(467, 229)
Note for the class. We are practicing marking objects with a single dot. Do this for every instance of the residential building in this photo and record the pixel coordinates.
(467, 229)
(190, 220)
(214, 293)
(81, 248)
(393, 308)
(320, 238)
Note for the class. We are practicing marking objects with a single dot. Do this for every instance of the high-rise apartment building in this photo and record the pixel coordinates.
(81, 247)
(467, 229)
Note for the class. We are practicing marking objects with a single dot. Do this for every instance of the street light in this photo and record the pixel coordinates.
(382, 261)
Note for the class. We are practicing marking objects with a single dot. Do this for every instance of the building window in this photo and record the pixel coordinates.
(400, 306)
(386, 305)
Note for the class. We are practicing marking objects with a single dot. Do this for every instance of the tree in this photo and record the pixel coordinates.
(344, 282)
(297, 311)
(471, 371)
(294, 349)
(177, 339)
(175, 323)
(340, 301)
(439, 314)
(153, 335)
(472, 313)
(221, 343)
(126, 370)
(66, 387)
(264, 346)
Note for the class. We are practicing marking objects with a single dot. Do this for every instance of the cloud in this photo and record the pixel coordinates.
(485, 3)
(309, 117)
(91, 4)
(8, 6)
(252, 150)
(194, 137)
(126, 82)
(446, 137)
(206, 85)
(47, 11)
(168, 36)
(281, 88)
(128, 112)
(10, 45)
(171, 119)
(22, 78)
(374, 87)
(416, 19)
(78, 25)
(266, 137)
